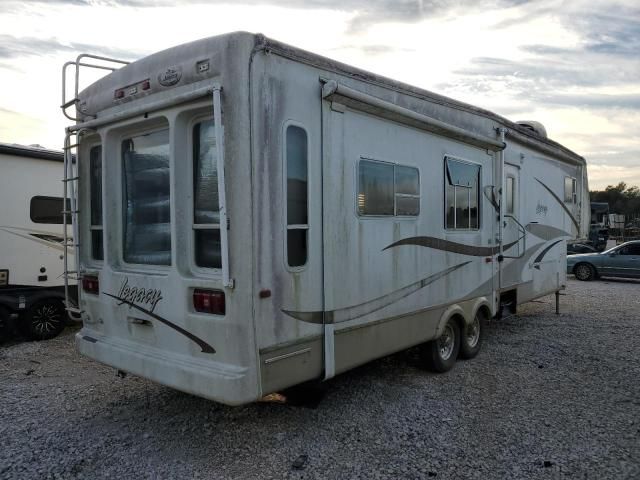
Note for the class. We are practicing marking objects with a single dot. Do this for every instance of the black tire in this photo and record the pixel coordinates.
(440, 355)
(4, 322)
(45, 319)
(584, 272)
(472, 336)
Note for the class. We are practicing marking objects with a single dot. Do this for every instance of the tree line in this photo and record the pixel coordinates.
(621, 199)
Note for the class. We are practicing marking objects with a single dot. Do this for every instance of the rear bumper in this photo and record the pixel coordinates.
(217, 381)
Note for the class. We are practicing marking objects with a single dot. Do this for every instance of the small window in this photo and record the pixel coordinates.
(510, 195)
(462, 195)
(206, 207)
(95, 187)
(48, 210)
(297, 195)
(147, 214)
(570, 190)
(386, 189)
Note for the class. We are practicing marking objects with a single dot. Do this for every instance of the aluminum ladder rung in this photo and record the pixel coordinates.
(72, 212)
(69, 103)
(69, 147)
(72, 179)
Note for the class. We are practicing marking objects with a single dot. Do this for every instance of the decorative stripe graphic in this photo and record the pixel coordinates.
(453, 247)
(543, 253)
(206, 348)
(546, 232)
(356, 311)
(573, 219)
(49, 239)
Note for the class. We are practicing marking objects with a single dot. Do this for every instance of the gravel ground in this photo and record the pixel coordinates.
(548, 397)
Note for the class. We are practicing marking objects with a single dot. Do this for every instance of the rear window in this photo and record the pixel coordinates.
(146, 203)
(48, 210)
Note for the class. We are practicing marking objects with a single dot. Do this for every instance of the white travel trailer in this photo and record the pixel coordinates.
(253, 216)
(31, 240)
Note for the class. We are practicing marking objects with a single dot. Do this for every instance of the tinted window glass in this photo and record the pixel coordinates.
(376, 191)
(630, 250)
(95, 167)
(208, 248)
(147, 229)
(205, 174)
(95, 189)
(48, 210)
(407, 180)
(297, 247)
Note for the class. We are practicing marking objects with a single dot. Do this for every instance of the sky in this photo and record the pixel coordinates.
(572, 65)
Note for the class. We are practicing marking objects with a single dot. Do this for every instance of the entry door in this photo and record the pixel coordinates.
(511, 233)
(626, 262)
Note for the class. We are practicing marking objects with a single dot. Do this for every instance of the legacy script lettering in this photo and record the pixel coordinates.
(139, 295)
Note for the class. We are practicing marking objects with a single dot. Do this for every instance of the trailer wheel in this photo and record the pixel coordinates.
(472, 336)
(584, 272)
(440, 355)
(45, 319)
(4, 322)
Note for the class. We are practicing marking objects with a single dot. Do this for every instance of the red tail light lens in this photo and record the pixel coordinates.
(90, 284)
(209, 301)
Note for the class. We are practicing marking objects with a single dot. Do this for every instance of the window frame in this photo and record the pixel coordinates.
(65, 206)
(192, 204)
(395, 215)
(574, 190)
(93, 227)
(445, 183)
(285, 198)
(153, 125)
(513, 195)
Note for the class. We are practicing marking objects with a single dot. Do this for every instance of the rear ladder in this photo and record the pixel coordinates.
(71, 177)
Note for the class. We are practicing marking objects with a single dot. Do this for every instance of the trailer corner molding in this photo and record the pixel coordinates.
(128, 295)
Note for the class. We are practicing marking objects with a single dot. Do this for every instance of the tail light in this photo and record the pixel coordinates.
(209, 301)
(90, 284)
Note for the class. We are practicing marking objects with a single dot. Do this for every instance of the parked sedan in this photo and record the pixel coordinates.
(620, 261)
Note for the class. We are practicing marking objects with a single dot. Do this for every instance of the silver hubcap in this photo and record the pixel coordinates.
(473, 332)
(446, 342)
(46, 319)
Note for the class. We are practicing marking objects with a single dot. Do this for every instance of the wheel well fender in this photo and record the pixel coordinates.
(453, 311)
(483, 305)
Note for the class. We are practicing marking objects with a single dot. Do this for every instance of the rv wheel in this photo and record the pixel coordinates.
(584, 272)
(472, 335)
(45, 319)
(440, 355)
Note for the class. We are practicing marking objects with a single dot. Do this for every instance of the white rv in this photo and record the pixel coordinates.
(253, 216)
(31, 240)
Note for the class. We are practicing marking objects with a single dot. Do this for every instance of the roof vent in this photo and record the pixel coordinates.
(535, 127)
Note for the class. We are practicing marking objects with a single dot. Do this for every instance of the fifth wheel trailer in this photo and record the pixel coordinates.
(31, 240)
(252, 216)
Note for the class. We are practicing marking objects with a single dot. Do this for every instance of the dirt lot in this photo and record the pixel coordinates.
(548, 397)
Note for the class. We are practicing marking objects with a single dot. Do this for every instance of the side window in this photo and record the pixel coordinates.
(570, 190)
(510, 195)
(462, 195)
(48, 210)
(633, 249)
(297, 195)
(386, 189)
(95, 188)
(206, 208)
